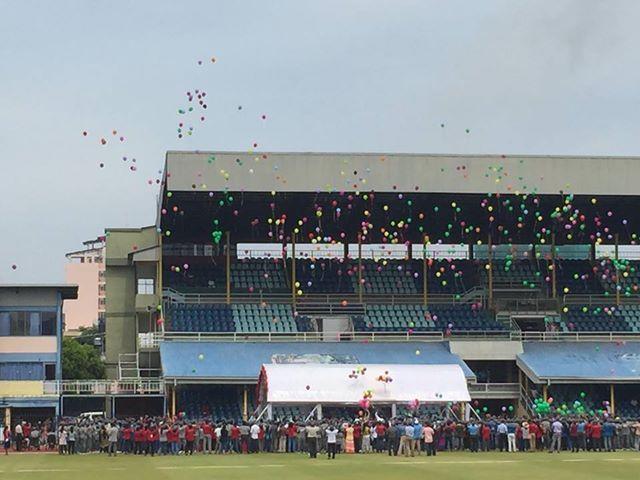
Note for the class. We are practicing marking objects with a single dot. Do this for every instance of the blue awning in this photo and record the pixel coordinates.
(241, 362)
(579, 362)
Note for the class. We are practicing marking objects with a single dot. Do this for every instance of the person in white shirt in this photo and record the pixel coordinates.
(19, 437)
(556, 438)
(62, 441)
(312, 432)
(255, 435)
(332, 435)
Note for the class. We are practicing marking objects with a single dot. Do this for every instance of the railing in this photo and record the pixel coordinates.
(103, 387)
(495, 388)
(600, 299)
(153, 340)
(173, 296)
(528, 305)
(574, 336)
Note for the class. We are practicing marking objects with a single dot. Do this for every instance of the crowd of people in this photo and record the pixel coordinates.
(400, 436)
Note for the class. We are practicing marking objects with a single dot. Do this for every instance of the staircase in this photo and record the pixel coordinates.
(128, 366)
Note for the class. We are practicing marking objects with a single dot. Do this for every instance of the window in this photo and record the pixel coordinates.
(145, 286)
(48, 320)
(28, 324)
(49, 371)
(19, 324)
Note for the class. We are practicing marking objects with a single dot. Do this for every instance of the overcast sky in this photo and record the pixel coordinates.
(538, 77)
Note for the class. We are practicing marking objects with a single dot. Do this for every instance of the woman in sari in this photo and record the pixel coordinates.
(348, 440)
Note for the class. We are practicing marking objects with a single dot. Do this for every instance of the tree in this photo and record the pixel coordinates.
(80, 362)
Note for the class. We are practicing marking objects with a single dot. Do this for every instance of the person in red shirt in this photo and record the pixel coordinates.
(174, 440)
(190, 437)
(596, 436)
(235, 435)
(139, 439)
(26, 433)
(152, 440)
(207, 441)
(485, 435)
(126, 440)
(292, 432)
(381, 432)
(357, 437)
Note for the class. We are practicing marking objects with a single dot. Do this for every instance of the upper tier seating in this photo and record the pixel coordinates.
(200, 318)
(387, 277)
(626, 276)
(515, 274)
(325, 275)
(576, 277)
(255, 275)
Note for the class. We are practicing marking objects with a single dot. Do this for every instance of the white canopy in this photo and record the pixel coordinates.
(330, 383)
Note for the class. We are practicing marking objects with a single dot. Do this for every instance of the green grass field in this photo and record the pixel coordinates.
(483, 466)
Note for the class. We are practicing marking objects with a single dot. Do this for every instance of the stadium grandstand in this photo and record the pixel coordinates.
(520, 272)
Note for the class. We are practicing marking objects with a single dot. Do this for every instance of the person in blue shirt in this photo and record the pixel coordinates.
(417, 436)
(608, 430)
(474, 430)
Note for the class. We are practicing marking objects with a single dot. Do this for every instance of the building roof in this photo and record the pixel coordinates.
(68, 291)
(580, 362)
(389, 172)
(209, 361)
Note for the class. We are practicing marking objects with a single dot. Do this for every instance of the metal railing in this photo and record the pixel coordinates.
(495, 388)
(600, 299)
(574, 336)
(153, 340)
(103, 387)
(173, 296)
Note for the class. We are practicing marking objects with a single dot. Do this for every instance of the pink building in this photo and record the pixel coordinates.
(85, 268)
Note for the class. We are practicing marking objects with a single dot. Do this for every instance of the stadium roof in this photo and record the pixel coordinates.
(332, 383)
(240, 362)
(69, 291)
(580, 362)
(389, 172)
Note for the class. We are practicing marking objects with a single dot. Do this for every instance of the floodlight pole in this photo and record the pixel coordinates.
(293, 270)
(360, 268)
(617, 238)
(228, 266)
(554, 284)
(425, 271)
(490, 259)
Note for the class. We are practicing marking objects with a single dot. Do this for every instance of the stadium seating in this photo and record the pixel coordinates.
(623, 318)
(418, 318)
(264, 318)
(448, 276)
(626, 276)
(297, 413)
(387, 277)
(576, 277)
(516, 274)
(214, 402)
(197, 278)
(200, 318)
(259, 275)
(325, 276)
